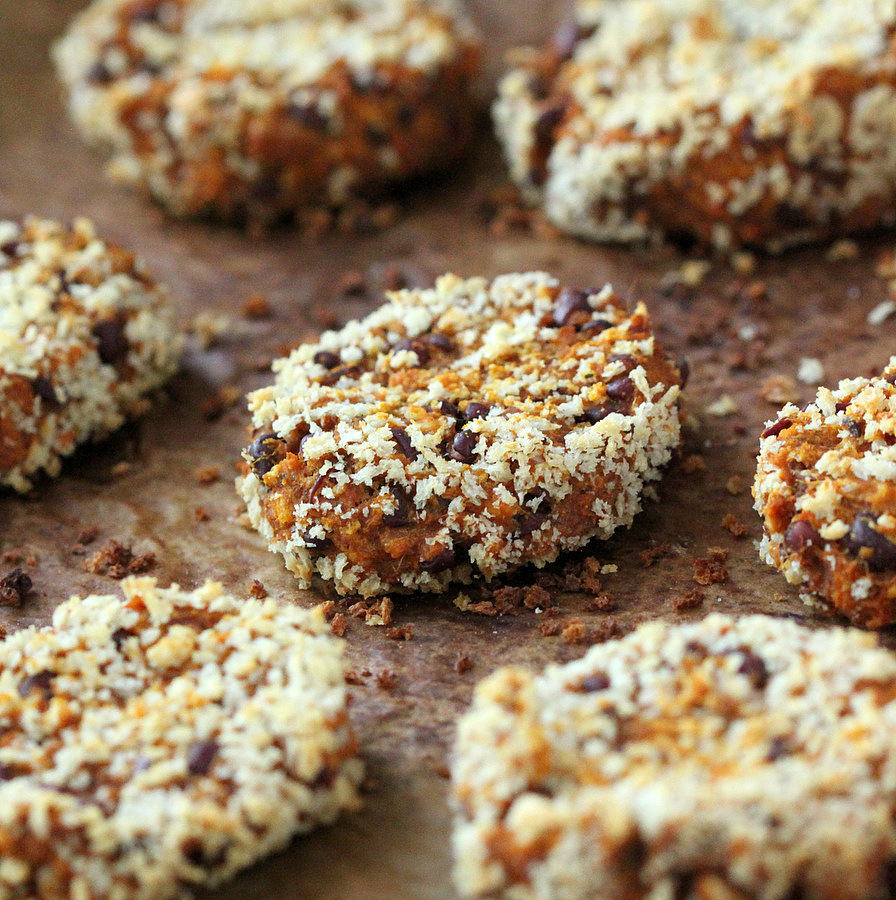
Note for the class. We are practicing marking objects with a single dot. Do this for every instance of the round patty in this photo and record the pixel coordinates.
(826, 490)
(472, 427)
(765, 123)
(85, 334)
(722, 760)
(164, 741)
(261, 108)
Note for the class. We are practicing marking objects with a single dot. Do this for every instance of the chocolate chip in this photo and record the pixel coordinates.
(307, 116)
(200, 756)
(529, 523)
(327, 359)
(319, 482)
(43, 388)
(800, 534)
(538, 493)
(779, 747)
(14, 587)
(376, 134)
(42, 680)
(314, 543)
(538, 85)
(788, 216)
(441, 342)
(450, 409)
(10, 247)
(776, 428)
(406, 114)
(567, 303)
(598, 681)
(695, 648)
(476, 410)
(265, 452)
(112, 345)
(595, 326)
(401, 514)
(443, 560)
(548, 119)
(842, 406)
(462, 446)
(119, 636)
(594, 414)
(864, 537)
(852, 426)
(754, 668)
(402, 438)
(622, 388)
(148, 13)
(416, 346)
(98, 73)
(336, 374)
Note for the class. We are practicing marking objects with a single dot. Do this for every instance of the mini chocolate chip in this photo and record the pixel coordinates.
(376, 134)
(441, 342)
(401, 514)
(800, 534)
(443, 560)
(863, 536)
(119, 636)
(98, 73)
(788, 216)
(776, 428)
(406, 114)
(307, 116)
(842, 406)
(43, 388)
(327, 359)
(852, 426)
(10, 247)
(695, 648)
(538, 493)
(476, 410)
(779, 747)
(599, 681)
(594, 414)
(595, 326)
(148, 13)
(265, 452)
(622, 388)
(451, 409)
(416, 346)
(529, 523)
(891, 378)
(200, 756)
(42, 680)
(539, 87)
(754, 668)
(314, 543)
(462, 446)
(112, 345)
(403, 439)
(568, 302)
(548, 119)
(319, 482)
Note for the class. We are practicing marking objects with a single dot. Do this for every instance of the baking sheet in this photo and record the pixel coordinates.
(142, 488)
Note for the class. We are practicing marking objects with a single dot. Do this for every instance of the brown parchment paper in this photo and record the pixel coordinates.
(141, 486)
